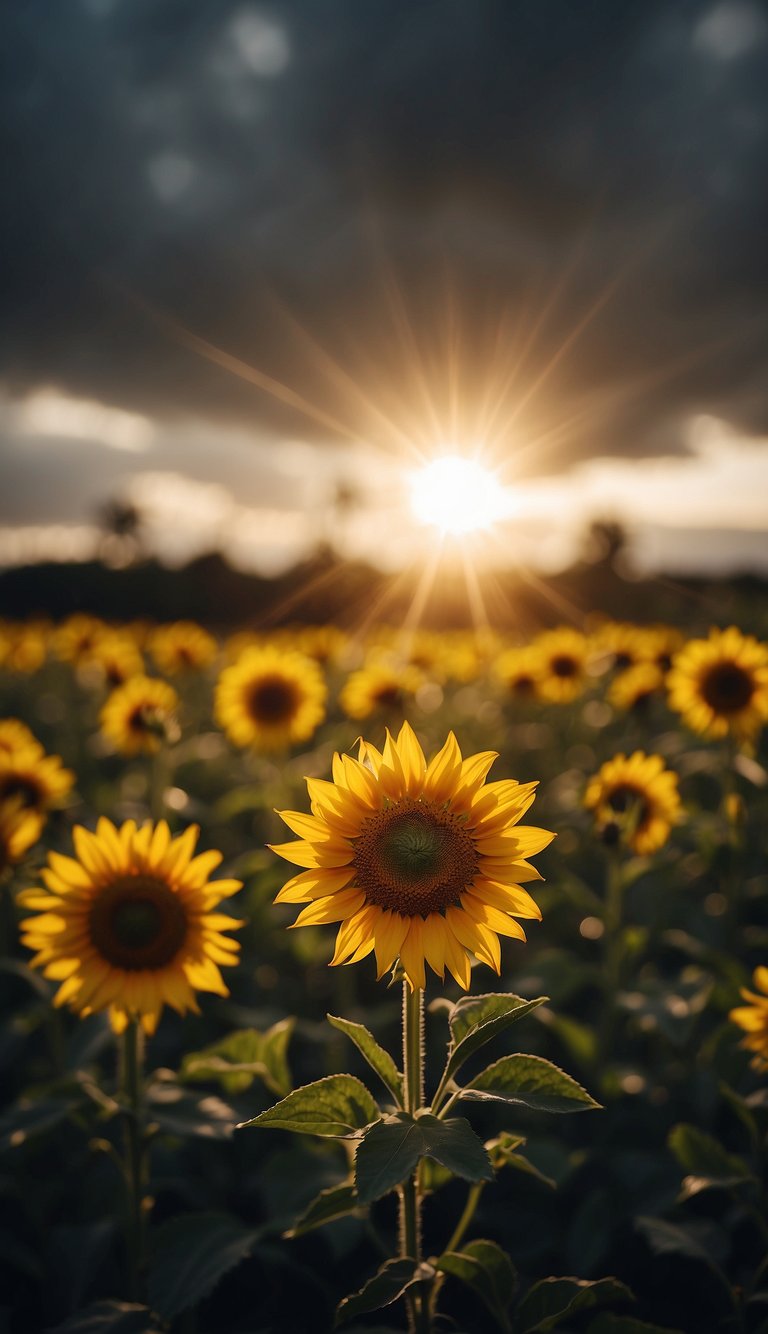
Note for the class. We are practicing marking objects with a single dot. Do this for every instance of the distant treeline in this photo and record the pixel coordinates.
(325, 589)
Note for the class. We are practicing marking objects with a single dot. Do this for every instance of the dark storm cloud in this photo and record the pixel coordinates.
(228, 163)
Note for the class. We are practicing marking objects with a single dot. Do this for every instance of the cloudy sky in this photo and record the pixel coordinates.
(258, 251)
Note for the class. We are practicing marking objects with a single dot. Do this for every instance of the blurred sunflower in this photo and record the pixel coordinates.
(15, 736)
(662, 643)
(26, 646)
(634, 798)
(632, 689)
(139, 715)
(621, 644)
(324, 643)
(181, 647)
(753, 1019)
(39, 781)
(76, 637)
(129, 925)
(270, 699)
(116, 657)
(720, 684)
(20, 827)
(418, 861)
(563, 655)
(517, 670)
(379, 687)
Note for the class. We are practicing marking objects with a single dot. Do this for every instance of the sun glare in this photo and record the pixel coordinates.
(457, 495)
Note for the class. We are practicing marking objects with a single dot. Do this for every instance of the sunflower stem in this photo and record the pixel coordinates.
(612, 954)
(135, 1165)
(419, 1315)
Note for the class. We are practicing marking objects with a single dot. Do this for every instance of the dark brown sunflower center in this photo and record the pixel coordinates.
(272, 700)
(389, 697)
(563, 665)
(414, 858)
(522, 685)
(727, 688)
(147, 718)
(630, 802)
(23, 786)
(137, 923)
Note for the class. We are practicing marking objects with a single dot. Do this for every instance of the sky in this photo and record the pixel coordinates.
(258, 255)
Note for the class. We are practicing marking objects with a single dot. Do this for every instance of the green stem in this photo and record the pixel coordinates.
(612, 955)
(473, 1199)
(136, 1175)
(419, 1317)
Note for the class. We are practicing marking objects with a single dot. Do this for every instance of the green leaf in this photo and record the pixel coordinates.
(188, 1257)
(532, 1082)
(708, 1164)
(488, 1271)
(241, 1057)
(27, 1119)
(184, 1112)
(110, 1317)
(335, 1202)
(474, 1020)
(666, 1238)
(607, 1323)
(388, 1283)
(378, 1059)
(503, 1153)
(551, 1300)
(338, 1106)
(390, 1150)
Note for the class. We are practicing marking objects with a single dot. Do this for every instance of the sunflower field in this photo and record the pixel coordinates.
(407, 981)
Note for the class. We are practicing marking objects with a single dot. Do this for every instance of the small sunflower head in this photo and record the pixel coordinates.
(140, 715)
(130, 924)
(752, 1018)
(634, 801)
(720, 684)
(270, 699)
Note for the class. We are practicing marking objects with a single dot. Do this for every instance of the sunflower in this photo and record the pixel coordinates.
(564, 655)
(417, 861)
(620, 645)
(634, 798)
(270, 699)
(379, 687)
(20, 827)
(753, 1018)
(182, 647)
(139, 715)
(720, 684)
(75, 638)
(39, 781)
(518, 670)
(116, 657)
(16, 736)
(130, 924)
(634, 688)
(25, 646)
(325, 643)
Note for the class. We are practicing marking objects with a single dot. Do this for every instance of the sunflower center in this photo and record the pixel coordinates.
(522, 685)
(272, 700)
(562, 665)
(629, 801)
(414, 858)
(389, 697)
(727, 688)
(138, 922)
(17, 785)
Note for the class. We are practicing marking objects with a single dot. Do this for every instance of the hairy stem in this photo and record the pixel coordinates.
(410, 1193)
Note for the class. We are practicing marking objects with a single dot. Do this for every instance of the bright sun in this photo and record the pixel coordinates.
(457, 495)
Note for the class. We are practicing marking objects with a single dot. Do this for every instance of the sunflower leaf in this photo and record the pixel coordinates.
(474, 1020)
(241, 1057)
(529, 1081)
(189, 1256)
(391, 1149)
(379, 1060)
(338, 1106)
(388, 1283)
(548, 1302)
(336, 1202)
(708, 1164)
(110, 1317)
(488, 1271)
